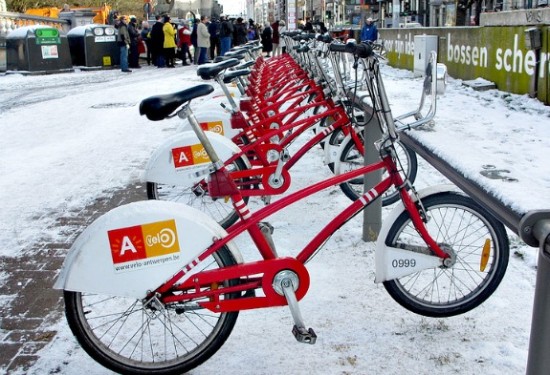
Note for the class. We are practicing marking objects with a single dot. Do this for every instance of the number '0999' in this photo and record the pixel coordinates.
(403, 263)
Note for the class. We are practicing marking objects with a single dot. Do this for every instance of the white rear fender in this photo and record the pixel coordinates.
(134, 248)
(393, 263)
(181, 159)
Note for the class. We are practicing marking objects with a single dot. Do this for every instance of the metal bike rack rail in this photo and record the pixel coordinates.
(533, 227)
(504, 213)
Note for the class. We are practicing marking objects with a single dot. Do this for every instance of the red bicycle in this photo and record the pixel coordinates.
(156, 287)
(261, 166)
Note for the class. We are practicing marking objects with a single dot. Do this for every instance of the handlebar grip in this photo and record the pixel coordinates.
(338, 48)
(363, 50)
(324, 38)
(291, 33)
(360, 50)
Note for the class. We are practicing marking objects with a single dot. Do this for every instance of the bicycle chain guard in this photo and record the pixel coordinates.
(268, 269)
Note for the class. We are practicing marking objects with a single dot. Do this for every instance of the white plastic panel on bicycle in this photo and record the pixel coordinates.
(181, 159)
(133, 248)
(393, 263)
(214, 118)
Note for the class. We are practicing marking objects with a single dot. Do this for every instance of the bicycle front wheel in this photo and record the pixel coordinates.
(352, 159)
(476, 240)
(131, 336)
(196, 196)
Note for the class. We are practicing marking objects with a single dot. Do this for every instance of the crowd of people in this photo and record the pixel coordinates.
(200, 41)
(194, 42)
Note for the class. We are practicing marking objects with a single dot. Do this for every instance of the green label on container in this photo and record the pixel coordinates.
(47, 36)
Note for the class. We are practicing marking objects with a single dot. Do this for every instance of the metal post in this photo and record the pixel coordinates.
(372, 215)
(396, 9)
(535, 229)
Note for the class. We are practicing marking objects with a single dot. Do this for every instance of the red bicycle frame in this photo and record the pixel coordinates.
(258, 150)
(242, 278)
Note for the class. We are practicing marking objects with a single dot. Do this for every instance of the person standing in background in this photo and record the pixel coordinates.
(267, 41)
(134, 39)
(145, 30)
(276, 38)
(239, 33)
(226, 35)
(308, 27)
(203, 40)
(369, 32)
(123, 42)
(169, 42)
(251, 34)
(157, 42)
(214, 29)
(184, 41)
(194, 41)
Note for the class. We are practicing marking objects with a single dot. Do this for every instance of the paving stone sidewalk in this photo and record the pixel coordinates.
(26, 320)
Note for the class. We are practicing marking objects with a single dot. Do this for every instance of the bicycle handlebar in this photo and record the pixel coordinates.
(324, 38)
(361, 50)
(338, 47)
(303, 36)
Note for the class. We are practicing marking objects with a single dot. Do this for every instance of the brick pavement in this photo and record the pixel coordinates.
(26, 320)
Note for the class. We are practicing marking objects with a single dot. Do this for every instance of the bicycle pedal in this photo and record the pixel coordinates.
(303, 336)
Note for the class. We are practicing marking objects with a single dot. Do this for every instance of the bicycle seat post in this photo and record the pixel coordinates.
(186, 112)
(232, 103)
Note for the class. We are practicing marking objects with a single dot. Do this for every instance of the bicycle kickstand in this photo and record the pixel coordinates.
(287, 284)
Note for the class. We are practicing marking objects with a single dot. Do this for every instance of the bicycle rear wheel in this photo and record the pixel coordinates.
(351, 159)
(473, 236)
(196, 196)
(130, 336)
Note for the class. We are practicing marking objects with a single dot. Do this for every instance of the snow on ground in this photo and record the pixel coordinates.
(67, 139)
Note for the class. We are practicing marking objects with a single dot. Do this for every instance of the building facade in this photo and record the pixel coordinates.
(188, 8)
(353, 12)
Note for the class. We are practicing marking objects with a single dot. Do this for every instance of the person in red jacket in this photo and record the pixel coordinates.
(184, 41)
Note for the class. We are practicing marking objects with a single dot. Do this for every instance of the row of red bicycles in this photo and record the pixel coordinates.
(155, 287)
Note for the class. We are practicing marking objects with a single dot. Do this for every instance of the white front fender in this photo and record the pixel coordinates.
(392, 263)
(134, 248)
(181, 159)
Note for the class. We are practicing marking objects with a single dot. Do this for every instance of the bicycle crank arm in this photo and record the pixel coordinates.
(287, 281)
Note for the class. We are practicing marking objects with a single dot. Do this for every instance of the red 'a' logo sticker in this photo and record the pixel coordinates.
(127, 244)
(183, 156)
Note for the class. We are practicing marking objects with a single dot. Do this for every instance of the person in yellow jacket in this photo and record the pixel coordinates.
(169, 42)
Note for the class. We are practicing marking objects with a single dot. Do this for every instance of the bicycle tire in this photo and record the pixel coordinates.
(336, 137)
(219, 209)
(352, 159)
(445, 292)
(142, 340)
